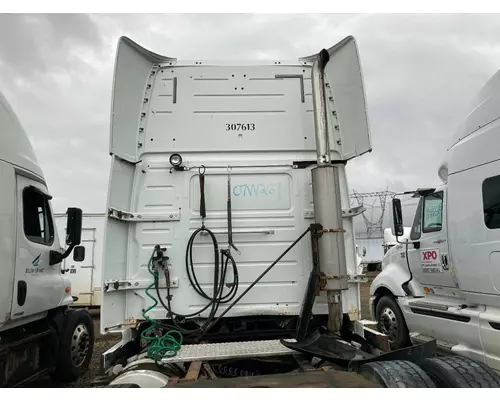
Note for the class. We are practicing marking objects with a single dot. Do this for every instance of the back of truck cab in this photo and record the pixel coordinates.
(251, 122)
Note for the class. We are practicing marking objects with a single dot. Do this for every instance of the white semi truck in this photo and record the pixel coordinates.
(372, 250)
(229, 243)
(443, 282)
(391, 240)
(39, 333)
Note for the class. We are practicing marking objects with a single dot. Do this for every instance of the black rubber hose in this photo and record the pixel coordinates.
(255, 281)
(221, 265)
(209, 323)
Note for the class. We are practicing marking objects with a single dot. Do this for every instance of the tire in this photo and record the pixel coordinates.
(396, 374)
(76, 345)
(123, 385)
(459, 372)
(371, 267)
(391, 322)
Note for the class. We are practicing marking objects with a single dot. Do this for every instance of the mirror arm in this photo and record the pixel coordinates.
(56, 257)
(68, 251)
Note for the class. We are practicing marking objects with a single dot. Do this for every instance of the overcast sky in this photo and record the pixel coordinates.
(421, 72)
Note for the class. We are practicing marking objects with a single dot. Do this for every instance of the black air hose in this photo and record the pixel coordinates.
(221, 263)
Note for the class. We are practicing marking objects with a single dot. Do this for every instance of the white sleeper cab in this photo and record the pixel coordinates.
(39, 333)
(443, 281)
(229, 244)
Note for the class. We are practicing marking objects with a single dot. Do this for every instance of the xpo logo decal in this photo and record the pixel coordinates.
(430, 261)
(430, 255)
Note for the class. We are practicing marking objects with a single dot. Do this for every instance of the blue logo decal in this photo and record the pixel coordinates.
(36, 261)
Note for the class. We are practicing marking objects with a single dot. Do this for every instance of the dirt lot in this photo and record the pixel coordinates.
(104, 342)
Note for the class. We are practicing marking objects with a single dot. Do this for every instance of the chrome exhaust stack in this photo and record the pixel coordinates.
(327, 203)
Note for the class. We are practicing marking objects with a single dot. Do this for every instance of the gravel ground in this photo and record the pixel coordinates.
(104, 342)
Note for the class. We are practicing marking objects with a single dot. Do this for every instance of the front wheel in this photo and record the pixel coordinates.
(390, 322)
(76, 345)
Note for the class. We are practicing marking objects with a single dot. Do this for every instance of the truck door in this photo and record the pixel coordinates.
(37, 285)
(430, 264)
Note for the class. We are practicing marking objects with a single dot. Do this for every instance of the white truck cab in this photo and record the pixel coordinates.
(444, 282)
(37, 331)
(390, 240)
(219, 170)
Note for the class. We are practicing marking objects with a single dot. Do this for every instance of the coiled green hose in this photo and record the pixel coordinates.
(168, 344)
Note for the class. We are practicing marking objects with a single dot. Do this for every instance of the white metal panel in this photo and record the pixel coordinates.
(132, 67)
(16, 148)
(86, 276)
(475, 142)
(243, 115)
(347, 114)
(484, 109)
(7, 234)
(242, 107)
(454, 333)
(374, 249)
(274, 217)
(489, 336)
(473, 247)
(161, 104)
(390, 239)
(252, 210)
(81, 272)
(45, 286)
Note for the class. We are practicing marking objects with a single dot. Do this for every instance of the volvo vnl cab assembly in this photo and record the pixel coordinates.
(229, 243)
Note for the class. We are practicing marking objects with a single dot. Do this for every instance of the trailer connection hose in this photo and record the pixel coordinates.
(210, 325)
(222, 259)
(221, 266)
(168, 344)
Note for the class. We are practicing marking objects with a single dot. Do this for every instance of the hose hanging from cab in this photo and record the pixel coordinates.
(221, 265)
(168, 344)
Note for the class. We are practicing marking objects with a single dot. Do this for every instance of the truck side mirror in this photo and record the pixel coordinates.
(79, 253)
(73, 238)
(397, 217)
(74, 227)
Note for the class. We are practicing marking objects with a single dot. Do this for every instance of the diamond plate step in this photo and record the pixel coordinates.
(224, 351)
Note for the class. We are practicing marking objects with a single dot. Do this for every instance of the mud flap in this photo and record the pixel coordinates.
(330, 347)
(26, 359)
